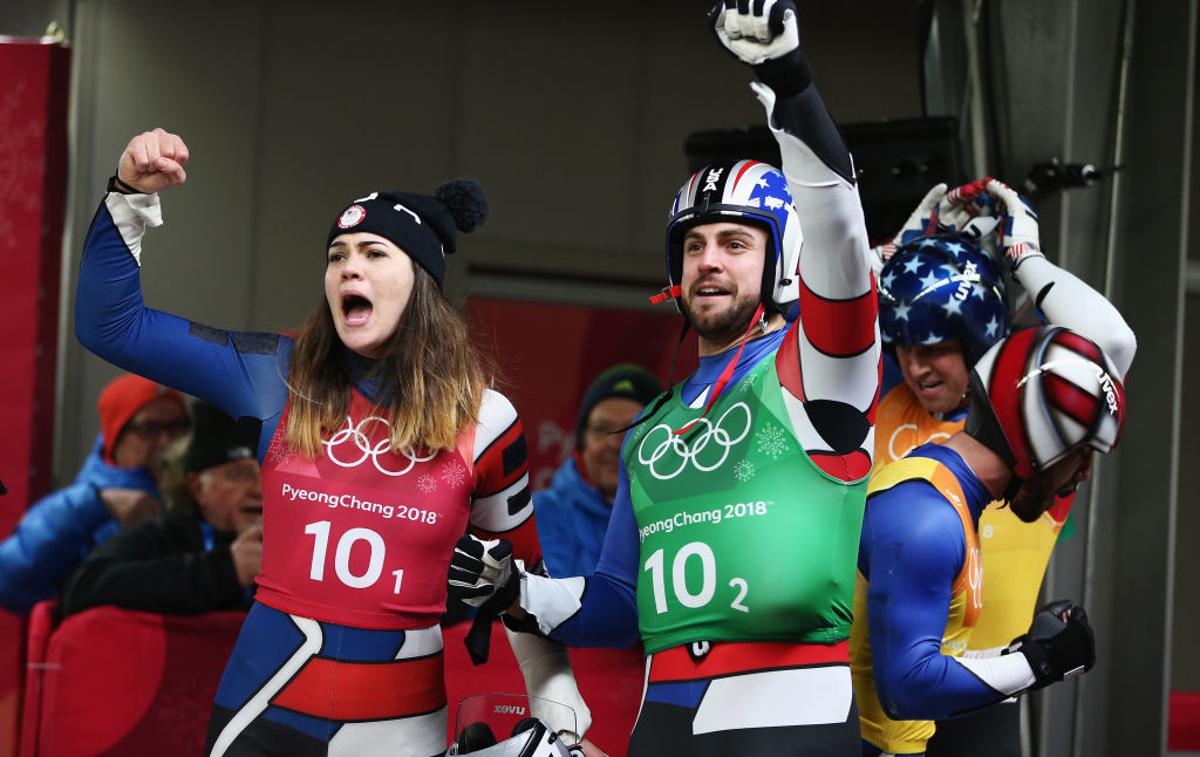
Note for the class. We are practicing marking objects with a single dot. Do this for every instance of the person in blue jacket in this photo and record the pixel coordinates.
(116, 487)
(572, 515)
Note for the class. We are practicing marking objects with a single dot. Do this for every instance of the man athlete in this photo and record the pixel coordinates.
(1042, 401)
(733, 537)
(942, 304)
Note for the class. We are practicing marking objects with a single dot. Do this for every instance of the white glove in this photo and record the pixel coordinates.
(1018, 229)
(968, 210)
(922, 221)
(765, 31)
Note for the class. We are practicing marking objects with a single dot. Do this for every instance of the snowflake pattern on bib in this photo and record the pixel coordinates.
(772, 441)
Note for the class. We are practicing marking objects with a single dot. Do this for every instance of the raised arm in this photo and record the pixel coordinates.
(831, 361)
(1062, 297)
(243, 373)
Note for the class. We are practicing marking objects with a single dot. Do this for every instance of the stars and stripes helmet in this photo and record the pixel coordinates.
(743, 192)
(942, 287)
(1043, 393)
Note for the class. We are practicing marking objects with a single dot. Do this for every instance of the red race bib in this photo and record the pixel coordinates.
(361, 535)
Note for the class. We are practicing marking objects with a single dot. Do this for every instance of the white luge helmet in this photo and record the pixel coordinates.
(743, 192)
(1042, 393)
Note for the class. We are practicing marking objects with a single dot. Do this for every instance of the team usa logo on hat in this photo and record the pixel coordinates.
(352, 216)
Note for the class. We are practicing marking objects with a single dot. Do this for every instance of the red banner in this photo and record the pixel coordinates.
(33, 167)
(33, 164)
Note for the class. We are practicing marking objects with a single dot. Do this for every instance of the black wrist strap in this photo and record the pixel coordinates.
(120, 187)
(787, 75)
(478, 638)
(1039, 662)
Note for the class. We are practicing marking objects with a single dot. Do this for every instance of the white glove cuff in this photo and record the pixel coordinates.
(132, 214)
(552, 601)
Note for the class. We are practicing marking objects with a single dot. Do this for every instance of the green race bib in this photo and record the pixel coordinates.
(743, 537)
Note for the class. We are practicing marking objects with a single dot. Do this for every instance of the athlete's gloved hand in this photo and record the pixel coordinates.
(483, 574)
(153, 161)
(482, 570)
(924, 220)
(764, 34)
(1018, 230)
(921, 222)
(1059, 644)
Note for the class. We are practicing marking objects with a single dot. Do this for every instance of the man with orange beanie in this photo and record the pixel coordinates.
(117, 486)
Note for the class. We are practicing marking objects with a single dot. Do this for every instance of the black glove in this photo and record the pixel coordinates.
(1059, 644)
(483, 575)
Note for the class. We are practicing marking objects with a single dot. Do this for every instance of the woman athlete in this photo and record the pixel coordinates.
(381, 444)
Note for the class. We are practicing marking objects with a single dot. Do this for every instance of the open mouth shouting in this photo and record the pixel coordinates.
(356, 309)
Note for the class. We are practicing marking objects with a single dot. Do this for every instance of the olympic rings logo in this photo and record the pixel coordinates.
(363, 442)
(716, 434)
(902, 428)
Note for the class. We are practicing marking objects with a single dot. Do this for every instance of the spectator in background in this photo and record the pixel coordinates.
(572, 515)
(117, 487)
(204, 552)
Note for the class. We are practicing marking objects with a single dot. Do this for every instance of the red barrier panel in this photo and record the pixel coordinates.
(124, 683)
(609, 679)
(41, 625)
(1183, 730)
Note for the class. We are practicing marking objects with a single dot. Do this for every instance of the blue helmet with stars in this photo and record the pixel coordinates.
(942, 287)
(746, 191)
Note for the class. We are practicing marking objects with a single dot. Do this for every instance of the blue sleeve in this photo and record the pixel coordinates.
(48, 544)
(912, 549)
(608, 615)
(242, 373)
(556, 542)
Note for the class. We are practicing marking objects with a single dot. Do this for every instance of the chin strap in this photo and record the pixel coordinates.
(758, 321)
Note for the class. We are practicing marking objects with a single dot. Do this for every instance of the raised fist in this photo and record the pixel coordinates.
(153, 161)
(757, 32)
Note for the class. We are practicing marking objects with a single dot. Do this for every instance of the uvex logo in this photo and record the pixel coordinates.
(970, 275)
(710, 181)
(509, 709)
(1110, 392)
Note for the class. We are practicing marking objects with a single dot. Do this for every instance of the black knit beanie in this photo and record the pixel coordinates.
(421, 225)
(626, 380)
(218, 438)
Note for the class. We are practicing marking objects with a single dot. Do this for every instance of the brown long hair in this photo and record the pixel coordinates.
(431, 377)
